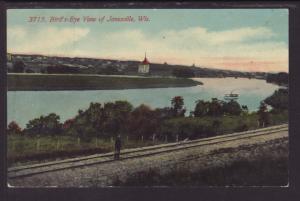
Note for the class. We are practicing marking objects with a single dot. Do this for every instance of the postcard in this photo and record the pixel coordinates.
(147, 97)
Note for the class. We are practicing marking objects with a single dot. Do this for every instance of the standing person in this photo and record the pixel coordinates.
(117, 147)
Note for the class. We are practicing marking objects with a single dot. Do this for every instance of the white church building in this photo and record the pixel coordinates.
(144, 66)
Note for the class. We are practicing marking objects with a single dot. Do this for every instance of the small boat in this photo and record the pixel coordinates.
(231, 96)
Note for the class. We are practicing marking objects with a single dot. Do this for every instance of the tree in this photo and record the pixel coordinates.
(278, 100)
(13, 128)
(264, 117)
(232, 108)
(144, 121)
(46, 125)
(215, 107)
(177, 106)
(201, 108)
(115, 116)
(94, 115)
(164, 113)
(18, 67)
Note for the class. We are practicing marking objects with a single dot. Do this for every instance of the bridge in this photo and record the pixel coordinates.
(103, 170)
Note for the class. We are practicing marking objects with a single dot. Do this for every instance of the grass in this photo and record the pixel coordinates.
(30, 82)
(28, 149)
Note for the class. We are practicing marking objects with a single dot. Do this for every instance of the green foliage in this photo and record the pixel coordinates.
(201, 109)
(177, 106)
(232, 108)
(200, 127)
(217, 107)
(102, 121)
(278, 100)
(264, 116)
(144, 121)
(113, 118)
(46, 125)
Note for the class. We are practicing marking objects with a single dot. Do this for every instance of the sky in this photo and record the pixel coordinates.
(236, 39)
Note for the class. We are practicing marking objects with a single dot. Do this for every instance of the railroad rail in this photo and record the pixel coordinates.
(29, 170)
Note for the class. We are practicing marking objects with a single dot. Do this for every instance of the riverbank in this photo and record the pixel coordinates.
(53, 82)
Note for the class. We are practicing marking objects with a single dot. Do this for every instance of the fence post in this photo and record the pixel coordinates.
(142, 138)
(127, 138)
(96, 142)
(177, 136)
(166, 138)
(153, 138)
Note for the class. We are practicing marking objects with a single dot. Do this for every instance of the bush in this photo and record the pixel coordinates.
(13, 128)
(46, 125)
(278, 100)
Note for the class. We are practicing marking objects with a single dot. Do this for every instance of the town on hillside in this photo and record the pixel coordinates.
(25, 63)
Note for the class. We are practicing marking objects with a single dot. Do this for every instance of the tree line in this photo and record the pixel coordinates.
(120, 117)
(281, 78)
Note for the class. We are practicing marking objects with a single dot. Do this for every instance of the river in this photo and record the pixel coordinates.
(23, 106)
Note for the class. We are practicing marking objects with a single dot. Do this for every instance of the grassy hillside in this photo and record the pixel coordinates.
(26, 82)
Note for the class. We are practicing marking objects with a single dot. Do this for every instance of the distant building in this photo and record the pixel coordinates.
(144, 66)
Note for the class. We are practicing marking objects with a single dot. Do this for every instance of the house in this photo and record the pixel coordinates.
(144, 66)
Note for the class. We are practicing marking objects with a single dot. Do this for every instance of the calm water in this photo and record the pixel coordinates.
(23, 106)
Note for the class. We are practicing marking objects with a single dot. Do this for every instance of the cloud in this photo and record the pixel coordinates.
(16, 32)
(200, 34)
(245, 48)
(44, 40)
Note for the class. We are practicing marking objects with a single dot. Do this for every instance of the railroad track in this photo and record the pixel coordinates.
(29, 170)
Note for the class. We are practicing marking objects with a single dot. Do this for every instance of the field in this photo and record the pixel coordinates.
(25, 149)
(30, 82)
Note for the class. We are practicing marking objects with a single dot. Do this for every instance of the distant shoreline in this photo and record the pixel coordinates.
(60, 82)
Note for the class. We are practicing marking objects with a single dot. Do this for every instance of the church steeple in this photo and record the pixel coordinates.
(145, 60)
(144, 65)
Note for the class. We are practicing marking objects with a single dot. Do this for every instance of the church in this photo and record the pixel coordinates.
(144, 66)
